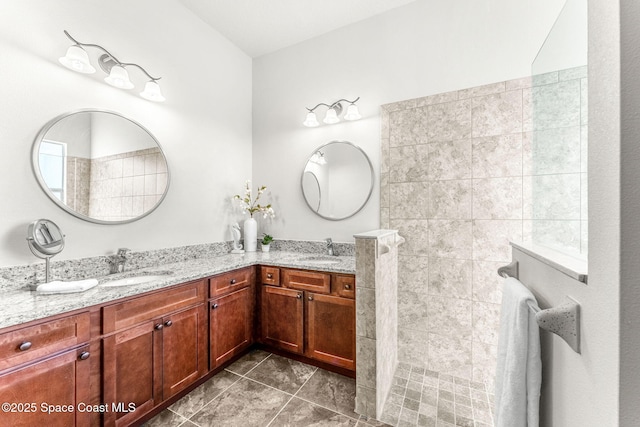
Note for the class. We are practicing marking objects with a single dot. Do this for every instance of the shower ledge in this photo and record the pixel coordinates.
(573, 267)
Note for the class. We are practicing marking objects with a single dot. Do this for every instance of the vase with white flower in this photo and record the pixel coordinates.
(250, 205)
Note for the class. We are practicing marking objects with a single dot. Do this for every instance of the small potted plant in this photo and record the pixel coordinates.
(266, 241)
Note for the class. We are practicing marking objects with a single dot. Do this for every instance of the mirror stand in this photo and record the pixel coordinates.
(45, 240)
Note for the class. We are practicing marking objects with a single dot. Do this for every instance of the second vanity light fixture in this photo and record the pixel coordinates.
(334, 110)
(77, 60)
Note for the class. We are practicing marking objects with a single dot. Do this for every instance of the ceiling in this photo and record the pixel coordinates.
(259, 27)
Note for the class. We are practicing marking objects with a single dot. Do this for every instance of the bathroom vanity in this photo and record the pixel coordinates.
(118, 362)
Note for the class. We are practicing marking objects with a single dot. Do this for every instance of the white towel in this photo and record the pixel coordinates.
(59, 287)
(519, 370)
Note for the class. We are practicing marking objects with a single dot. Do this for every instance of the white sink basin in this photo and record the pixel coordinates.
(135, 280)
(320, 260)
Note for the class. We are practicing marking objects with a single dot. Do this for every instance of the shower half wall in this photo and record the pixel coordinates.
(456, 181)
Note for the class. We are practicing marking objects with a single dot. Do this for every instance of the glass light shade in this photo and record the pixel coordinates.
(321, 160)
(311, 121)
(152, 92)
(119, 78)
(331, 117)
(352, 113)
(77, 59)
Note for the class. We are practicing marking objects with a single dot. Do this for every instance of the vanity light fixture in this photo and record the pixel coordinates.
(318, 158)
(77, 60)
(333, 112)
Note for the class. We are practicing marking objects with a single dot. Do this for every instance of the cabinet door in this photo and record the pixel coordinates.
(282, 318)
(60, 380)
(331, 329)
(184, 349)
(231, 323)
(132, 372)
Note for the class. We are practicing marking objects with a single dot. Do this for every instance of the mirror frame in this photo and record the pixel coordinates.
(370, 188)
(35, 154)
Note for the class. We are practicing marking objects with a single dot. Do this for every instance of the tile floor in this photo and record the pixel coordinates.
(420, 397)
(262, 389)
(266, 390)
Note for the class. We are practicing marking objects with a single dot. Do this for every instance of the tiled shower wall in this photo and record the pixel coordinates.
(124, 186)
(456, 181)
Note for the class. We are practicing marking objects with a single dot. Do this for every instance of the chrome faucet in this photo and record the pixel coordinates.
(117, 262)
(329, 246)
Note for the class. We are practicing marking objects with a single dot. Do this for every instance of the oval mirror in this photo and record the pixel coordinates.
(337, 180)
(100, 166)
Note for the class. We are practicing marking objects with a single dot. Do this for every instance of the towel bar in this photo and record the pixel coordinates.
(563, 320)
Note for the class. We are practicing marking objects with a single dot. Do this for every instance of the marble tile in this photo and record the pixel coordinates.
(584, 197)
(521, 83)
(449, 239)
(409, 163)
(408, 127)
(584, 149)
(385, 191)
(573, 73)
(556, 105)
(545, 79)
(584, 238)
(497, 114)
(556, 196)
(247, 362)
(385, 159)
(365, 267)
(562, 235)
(401, 105)
(449, 121)
(484, 363)
(166, 418)
(487, 285)
(450, 317)
(245, 404)
(552, 151)
(413, 347)
(450, 199)
(409, 200)
(497, 198)
(384, 126)
(413, 274)
(365, 401)
(416, 234)
(412, 311)
(282, 373)
(450, 355)
(491, 239)
(584, 102)
(486, 322)
(497, 156)
(203, 394)
(527, 109)
(439, 98)
(450, 277)
(366, 313)
(367, 367)
(449, 160)
(300, 413)
(384, 218)
(330, 390)
(482, 90)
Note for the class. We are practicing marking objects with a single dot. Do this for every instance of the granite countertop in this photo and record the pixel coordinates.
(23, 305)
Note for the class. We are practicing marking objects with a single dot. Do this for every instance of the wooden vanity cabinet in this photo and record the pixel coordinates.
(46, 364)
(160, 349)
(311, 314)
(231, 316)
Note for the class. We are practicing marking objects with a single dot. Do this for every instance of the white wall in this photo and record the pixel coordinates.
(111, 134)
(204, 126)
(424, 48)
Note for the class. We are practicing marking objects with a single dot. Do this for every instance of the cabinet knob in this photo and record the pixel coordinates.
(347, 286)
(310, 298)
(158, 326)
(233, 281)
(269, 276)
(25, 346)
(168, 323)
(84, 355)
(299, 296)
(214, 306)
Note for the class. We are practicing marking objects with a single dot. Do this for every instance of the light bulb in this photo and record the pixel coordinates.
(77, 59)
(118, 77)
(352, 113)
(152, 92)
(331, 117)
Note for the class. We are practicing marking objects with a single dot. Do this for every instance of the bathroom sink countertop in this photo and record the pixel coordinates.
(22, 305)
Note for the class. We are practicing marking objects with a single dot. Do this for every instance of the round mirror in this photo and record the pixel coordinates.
(100, 166)
(337, 180)
(45, 238)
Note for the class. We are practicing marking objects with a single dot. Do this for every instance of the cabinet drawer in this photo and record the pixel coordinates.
(270, 276)
(345, 286)
(140, 309)
(232, 280)
(307, 280)
(43, 339)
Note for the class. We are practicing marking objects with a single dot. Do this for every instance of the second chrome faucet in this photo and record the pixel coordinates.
(329, 246)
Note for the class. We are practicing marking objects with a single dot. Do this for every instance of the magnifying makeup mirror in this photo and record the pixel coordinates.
(45, 240)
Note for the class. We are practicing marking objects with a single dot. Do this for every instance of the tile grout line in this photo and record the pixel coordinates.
(291, 398)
